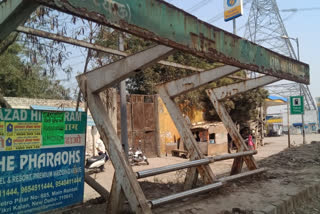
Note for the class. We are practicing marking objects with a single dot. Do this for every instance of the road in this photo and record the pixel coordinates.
(273, 145)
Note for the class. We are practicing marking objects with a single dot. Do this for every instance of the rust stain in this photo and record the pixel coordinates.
(200, 45)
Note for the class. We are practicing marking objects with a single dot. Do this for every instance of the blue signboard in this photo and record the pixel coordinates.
(41, 160)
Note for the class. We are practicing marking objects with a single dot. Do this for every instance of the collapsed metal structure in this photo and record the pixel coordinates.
(173, 29)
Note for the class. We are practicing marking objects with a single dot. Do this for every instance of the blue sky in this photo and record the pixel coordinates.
(303, 25)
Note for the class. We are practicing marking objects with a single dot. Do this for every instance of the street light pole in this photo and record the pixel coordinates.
(301, 94)
(302, 117)
(298, 49)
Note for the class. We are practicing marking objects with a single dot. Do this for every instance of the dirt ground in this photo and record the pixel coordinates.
(289, 170)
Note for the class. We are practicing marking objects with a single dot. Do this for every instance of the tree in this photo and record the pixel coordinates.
(242, 107)
(22, 80)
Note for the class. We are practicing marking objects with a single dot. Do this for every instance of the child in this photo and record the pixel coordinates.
(250, 142)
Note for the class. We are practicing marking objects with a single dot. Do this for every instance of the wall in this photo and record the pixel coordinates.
(221, 139)
(167, 130)
(309, 117)
(169, 133)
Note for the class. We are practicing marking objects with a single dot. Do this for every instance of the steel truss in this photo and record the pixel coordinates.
(265, 27)
(92, 83)
(293, 89)
(196, 37)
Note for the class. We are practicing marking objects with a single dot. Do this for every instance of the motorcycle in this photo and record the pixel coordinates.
(96, 162)
(136, 157)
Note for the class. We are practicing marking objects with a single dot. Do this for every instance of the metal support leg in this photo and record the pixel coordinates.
(123, 170)
(235, 135)
(116, 198)
(106, 76)
(191, 178)
(187, 137)
(13, 13)
(236, 166)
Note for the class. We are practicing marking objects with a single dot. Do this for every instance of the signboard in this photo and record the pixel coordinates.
(296, 105)
(41, 160)
(232, 9)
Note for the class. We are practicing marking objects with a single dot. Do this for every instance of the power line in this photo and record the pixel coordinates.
(294, 10)
(265, 27)
(198, 5)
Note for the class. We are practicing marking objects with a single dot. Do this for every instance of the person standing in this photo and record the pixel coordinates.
(100, 147)
(250, 142)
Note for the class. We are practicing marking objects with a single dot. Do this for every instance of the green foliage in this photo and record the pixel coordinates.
(242, 108)
(20, 80)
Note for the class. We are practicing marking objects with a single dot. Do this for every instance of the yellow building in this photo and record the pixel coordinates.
(213, 136)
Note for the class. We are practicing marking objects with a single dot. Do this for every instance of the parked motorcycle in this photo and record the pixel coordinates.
(96, 162)
(136, 157)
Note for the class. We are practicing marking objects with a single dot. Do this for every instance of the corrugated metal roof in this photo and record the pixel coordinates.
(271, 97)
(53, 108)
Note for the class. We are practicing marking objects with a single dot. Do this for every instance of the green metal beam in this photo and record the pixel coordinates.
(168, 25)
(13, 13)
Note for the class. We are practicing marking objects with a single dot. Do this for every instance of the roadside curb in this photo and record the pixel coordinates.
(291, 201)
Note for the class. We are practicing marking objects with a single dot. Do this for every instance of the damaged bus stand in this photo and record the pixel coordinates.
(173, 29)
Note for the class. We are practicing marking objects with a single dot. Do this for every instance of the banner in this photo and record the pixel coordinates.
(41, 160)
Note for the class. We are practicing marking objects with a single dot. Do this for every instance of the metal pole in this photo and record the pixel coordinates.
(302, 117)
(301, 94)
(170, 168)
(234, 26)
(231, 156)
(123, 107)
(241, 175)
(298, 51)
(157, 202)
(189, 164)
(288, 114)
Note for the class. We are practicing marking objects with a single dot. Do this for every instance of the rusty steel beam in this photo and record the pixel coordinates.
(108, 75)
(192, 82)
(126, 178)
(69, 40)
(240, 87)
(235, 135)
(13, 13)
(95, 47)
(76, 42)
(104, 193)
(188, 139)
(159, 21)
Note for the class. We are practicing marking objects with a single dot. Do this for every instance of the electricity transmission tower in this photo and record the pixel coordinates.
(265, 27)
